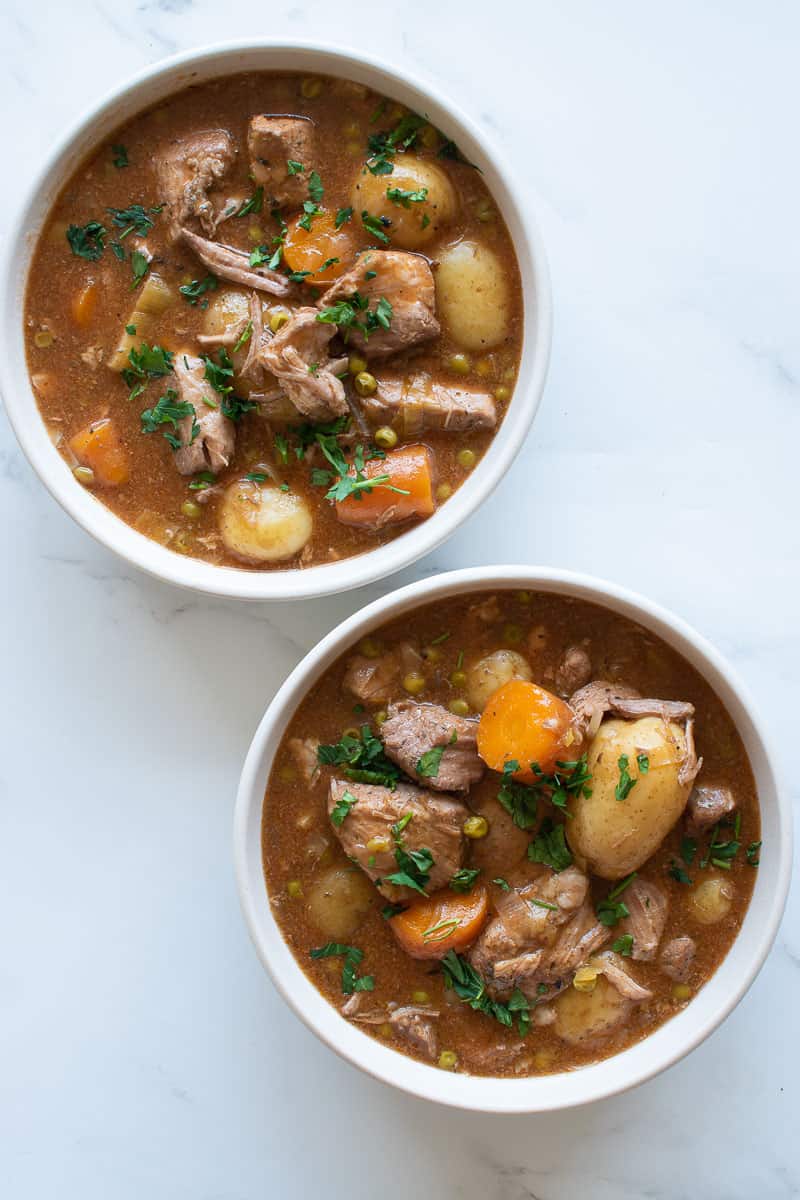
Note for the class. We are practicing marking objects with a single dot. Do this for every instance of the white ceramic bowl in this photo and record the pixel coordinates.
(669, 1042)
(144, 90)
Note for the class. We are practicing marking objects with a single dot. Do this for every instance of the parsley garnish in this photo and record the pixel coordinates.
(351, 981)
(625, 785)
(677, 872)
(405, 197)
(375, 226)
(310, 210)
(464, 879)
(198, 287)
(235, 407)
(341, 808)
(431, 760)
(342, 215)
(244, 336)
(140, 265)
(610, 910)
(256, 477)
(752, 854)
(282, 447)
(148, 362)
(293, 167)
(623, 945)
(688, 850)
(254, 204)
(550, 847)
(518, 799)
(383, 146)
(168, 410)
(392, 910)
(345, 314)
(363, 759)
(502, 883)
(315, 188)
(203, 480)
(120, 156)
(87, 241)
(720, 854)
(414, 865)
(259, 256)
(220, 374)
(468, 985)
(134, 219)
(643, 763)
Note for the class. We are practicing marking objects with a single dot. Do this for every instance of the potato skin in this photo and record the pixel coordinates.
(339, 900)
(710, 900)
(409, 229)
(584, 1015)
(616, 836)
(259, 523)
(472, 295)
(489, 673)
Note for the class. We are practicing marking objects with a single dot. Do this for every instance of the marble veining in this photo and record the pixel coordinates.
(144, 1052)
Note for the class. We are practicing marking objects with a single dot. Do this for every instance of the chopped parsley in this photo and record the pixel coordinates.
(345, 314)
(611, 910)
(462, 978)
(414, 866)
(625, 784)
(168, 410)
(383, 146)
(235, 407)
(244, 336)
(315, 188)
(205, 479)
(623, 945)
(550, 847)
(253, 205)
(643, 763)
(148, 362)
(310, 210)
(293, 167)
(87, 241)
(543, 904)
(282, 448)
(753, 854)
(140, 265)
(678, 873)
(342, 216)
(375, 225)
(431, 760)
(362, 758)
(518, 799)
(392, 910)
(259, 256)
(220, 374)
(134, 219)
(502, 883)
(341, 808)
(351, 981)
(464, 879)
(120, 156)
(405, 197)
(720, 854)
(197, 288)
(256, 477)
(688, 850)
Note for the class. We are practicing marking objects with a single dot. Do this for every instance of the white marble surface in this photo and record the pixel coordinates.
(143, 1051)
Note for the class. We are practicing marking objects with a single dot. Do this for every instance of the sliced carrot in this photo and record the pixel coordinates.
(308, 249)
(84, 303)
(523, 722)
(445, 921)
(100, 448)
(410, 470)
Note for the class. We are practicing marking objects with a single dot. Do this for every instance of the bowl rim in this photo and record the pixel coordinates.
(667, 1044)
(91, 127)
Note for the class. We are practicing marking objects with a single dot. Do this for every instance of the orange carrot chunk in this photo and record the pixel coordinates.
(99, 447)
(431, 926)
(313, 249)
(410, 470)
(523, 722)
(84, 303)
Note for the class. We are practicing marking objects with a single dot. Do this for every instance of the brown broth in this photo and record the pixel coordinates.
(73, 384)
(295, 816)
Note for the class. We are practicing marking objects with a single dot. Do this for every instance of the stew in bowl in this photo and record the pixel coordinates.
(286, 321)
(509, 831)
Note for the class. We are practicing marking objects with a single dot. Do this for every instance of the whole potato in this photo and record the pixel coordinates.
(414, 223)
(489, 673)
(583, 1015)
(616, 836)
(472, 295)
(339, 900)
(259, 523)
(710, 900)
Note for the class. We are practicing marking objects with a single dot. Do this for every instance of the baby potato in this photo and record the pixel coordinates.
(710, 901)
(260, 523)
(616, 836)
(488, 674)
(226, 307)
(584, 1015)
(414, 223)
(472, 295)
(339, 900)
